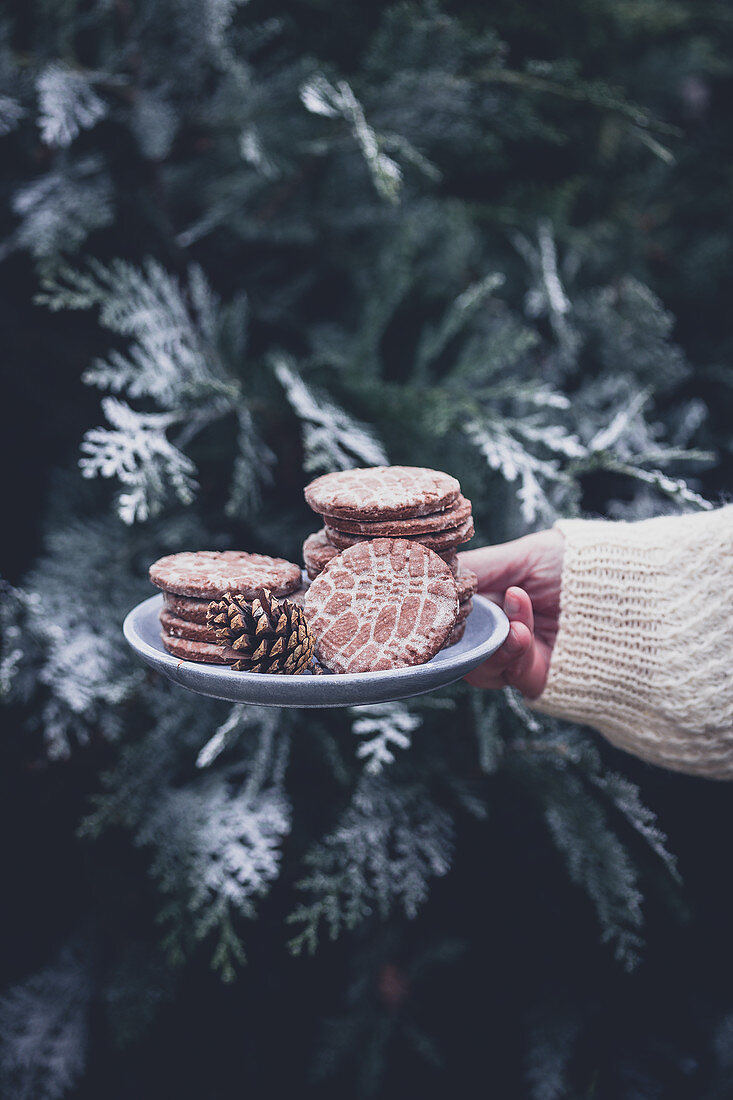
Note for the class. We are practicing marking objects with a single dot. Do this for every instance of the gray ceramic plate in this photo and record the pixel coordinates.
(486, 628)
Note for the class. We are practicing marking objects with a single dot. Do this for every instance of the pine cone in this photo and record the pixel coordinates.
(270, 635)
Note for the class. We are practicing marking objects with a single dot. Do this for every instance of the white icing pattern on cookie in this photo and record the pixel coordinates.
(381, 605)
(382, 492)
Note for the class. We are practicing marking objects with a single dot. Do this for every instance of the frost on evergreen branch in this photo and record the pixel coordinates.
(44, 1029)
(503, 445)
(388, 726)
(517, 421)
(154, 122)
(173, 357)
(548, 296)
(59, 209)
(245, 719)
(625, 421)
(553, 1034)
(11, 112)
(629, 444)
(382, 853)
(218, 15)
(597, 861)
(61, 634)
(320, 97)
(216, 843)
(12, 681)
(624, 796)
(216, 853)
(67, 103)
(630, 332)
(185, 351)
(458, 314)
(581, 800)
(332, 440)
(136, 451)
(253, 152)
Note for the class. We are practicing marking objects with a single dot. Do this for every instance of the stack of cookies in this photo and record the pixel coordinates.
(191, 580)
(395, 502)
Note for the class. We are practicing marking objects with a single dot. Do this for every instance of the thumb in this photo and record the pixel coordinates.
(497, 567)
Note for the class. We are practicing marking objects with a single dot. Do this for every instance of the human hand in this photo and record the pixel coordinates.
(523, 577)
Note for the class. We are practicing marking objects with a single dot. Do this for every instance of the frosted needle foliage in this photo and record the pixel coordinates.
(278, 240)
(384, 727)
(332, 440)
(136, 451)
(67, 104)
(396, 839)
(44, 1030)
(323, 98)
(183, 344)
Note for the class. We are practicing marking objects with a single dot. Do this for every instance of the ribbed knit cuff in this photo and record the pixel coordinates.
(644, 652)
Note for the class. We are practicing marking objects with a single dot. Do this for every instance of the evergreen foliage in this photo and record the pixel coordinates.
(383, 852)
(307, 239)
(43, 1048)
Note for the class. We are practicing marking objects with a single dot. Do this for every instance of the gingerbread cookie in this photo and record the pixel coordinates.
(199, 651)
(186, 607)
(456, 634)
(467, 582)
(381, 604)
(450, 557)
(382, 492)
(436, 540)
(317, 551)
(464, 610)
(323, 551)
(207, 574)
(183, 628)
(411, 527)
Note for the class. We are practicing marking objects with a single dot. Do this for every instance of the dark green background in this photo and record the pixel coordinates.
(516, 946)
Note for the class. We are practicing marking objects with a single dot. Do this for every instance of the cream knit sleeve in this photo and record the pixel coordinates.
(644, 652)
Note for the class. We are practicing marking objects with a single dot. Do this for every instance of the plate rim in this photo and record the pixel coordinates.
(167, 663)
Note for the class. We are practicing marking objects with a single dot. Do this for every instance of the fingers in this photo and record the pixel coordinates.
(492, 673)
(522, 661)
(529, 673)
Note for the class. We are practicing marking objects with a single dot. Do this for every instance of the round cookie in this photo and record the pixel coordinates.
(381, 604)
(186, 607)
(382, 492)
(313, 568)
(456, 634)
(410, 527)
(451, 559)
(182, 628)
(317, 551)
(464, 610)
(199, 651)
(436, 540)
(467, 582)
(207, 574)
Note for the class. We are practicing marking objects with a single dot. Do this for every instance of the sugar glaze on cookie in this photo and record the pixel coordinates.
(382, 492)
(383, 604)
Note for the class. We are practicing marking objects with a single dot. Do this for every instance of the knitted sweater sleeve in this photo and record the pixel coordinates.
(644, 651)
